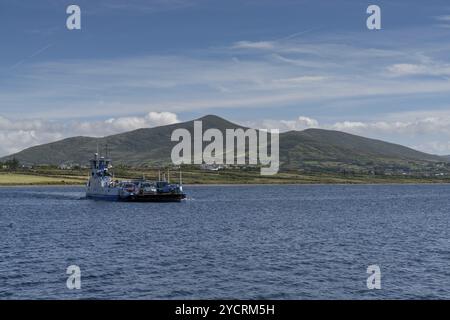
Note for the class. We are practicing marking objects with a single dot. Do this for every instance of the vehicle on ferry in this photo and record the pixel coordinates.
(102, 186)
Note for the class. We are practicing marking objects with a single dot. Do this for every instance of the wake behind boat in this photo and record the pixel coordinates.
(102, 186)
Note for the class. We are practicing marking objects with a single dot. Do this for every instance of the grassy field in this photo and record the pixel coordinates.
(10, 179)
(67, 177)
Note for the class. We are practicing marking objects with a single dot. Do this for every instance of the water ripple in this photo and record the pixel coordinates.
(228, 242)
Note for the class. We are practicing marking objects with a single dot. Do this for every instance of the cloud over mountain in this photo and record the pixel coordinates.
(16, 135)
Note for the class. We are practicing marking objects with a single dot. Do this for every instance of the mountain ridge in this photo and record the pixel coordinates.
(298, 149)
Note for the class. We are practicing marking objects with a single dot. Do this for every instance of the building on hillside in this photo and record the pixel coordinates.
(212, 167)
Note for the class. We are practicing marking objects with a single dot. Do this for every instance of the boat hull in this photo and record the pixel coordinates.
(102, 197)
(156, 198)
(139, 198)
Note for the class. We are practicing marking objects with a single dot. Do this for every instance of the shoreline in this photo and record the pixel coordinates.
(196, 178)
(244, 184)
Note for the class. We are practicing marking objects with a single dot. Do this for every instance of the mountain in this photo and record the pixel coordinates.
(311, 148)
(135, 148)
(328, 146)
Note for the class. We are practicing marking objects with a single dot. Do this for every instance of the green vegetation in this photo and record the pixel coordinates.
(11, 164)
(311, 150)
(191, 175)
(309, 156)
(10, 179)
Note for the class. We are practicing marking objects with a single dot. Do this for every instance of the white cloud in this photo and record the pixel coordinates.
(443, 21)
(277, 74)
(152, 119)
(253, 45)
(424, 126)
(300, 80)
(443, 18)
(428, 132)
(18, 135)
(245, 74)
(298, 124)
(436, 147)
(408, 69)
(301, 123)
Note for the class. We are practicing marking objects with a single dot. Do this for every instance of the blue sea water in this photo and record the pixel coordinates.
(240, 242)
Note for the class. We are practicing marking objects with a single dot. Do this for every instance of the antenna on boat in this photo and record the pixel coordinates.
(181, 178)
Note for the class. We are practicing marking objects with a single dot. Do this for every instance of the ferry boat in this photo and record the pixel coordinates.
(102, 186)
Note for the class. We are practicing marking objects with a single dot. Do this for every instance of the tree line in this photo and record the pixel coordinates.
(12, 164)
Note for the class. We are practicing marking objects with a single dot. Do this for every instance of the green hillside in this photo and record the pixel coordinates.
(310, 150)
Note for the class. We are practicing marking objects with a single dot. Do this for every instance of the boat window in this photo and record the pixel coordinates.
(161, 184)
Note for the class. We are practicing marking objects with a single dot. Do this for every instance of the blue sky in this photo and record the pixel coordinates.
(280, 64)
